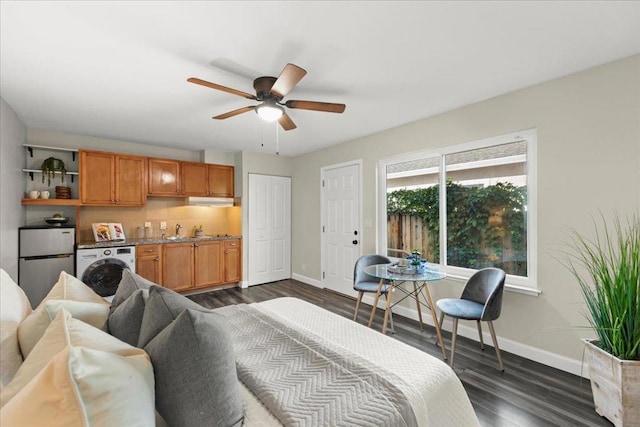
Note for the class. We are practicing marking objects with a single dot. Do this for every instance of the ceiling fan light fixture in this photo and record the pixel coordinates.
(269, 112)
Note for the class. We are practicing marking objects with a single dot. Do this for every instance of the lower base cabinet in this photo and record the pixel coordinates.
(191, 265)
(232, 261)
(209, 263)
(148, 263)
(177, 266)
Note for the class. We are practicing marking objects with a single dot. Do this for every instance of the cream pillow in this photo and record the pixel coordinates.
(85, 387)
(14, 308)
(32, 328)
(69, 288)
(65, 331)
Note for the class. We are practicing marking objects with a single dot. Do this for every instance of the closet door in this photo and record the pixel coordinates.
(269, 220)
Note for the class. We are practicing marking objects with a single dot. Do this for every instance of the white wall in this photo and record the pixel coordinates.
(68, 140)
(12, 213)
(588, 156)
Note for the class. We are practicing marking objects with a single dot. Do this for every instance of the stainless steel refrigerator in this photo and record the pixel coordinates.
(44, 253)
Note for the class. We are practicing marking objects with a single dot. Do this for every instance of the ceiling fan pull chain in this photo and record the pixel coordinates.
(277, 140)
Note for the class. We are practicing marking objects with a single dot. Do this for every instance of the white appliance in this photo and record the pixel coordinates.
(101, 268)
(44, 253)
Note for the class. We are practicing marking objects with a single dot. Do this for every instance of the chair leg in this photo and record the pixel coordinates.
(480, 335)
(454, 333)
(440, 325)
(495, 344)
(355, 315)
(393, 329)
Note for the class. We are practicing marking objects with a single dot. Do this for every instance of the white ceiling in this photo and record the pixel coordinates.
(118, 69)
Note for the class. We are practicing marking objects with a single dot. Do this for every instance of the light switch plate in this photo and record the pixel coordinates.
(163, 225)
(147, 224)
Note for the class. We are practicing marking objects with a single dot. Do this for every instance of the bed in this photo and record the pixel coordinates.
(299, 364)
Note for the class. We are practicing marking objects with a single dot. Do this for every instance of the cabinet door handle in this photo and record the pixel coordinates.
(157, 259)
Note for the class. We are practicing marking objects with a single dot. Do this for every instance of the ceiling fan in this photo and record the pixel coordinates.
(270, 91)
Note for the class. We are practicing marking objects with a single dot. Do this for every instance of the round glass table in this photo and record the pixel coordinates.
(395, 278)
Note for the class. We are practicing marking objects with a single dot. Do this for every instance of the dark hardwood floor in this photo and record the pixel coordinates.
(525, 394)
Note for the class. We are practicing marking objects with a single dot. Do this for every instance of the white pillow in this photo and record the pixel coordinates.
(66, 331)
(14, 308)
(32, 328)
(85, 387)
(69, 288)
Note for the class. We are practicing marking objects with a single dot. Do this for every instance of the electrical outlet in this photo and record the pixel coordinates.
(163, 225)
(147, 224)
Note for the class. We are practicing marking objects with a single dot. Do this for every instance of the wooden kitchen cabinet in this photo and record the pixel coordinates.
(232, 261)
(182, 179)
(112, 179)
(209, 263)
(194, 179)
(178, 266)
(164, 177)
(220, 181)
(206, 180)
(149, 263)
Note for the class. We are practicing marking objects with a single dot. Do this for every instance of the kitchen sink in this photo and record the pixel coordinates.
(176, 237)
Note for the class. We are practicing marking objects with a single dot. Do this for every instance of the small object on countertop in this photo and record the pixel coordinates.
(148, 232)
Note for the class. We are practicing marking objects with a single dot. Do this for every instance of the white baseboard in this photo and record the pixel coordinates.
(244, 284)
(307, 280)
(544, 357)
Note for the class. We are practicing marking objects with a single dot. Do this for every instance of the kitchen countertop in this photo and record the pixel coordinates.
(151, 241)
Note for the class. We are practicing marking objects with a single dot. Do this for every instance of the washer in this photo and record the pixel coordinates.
(101, 268)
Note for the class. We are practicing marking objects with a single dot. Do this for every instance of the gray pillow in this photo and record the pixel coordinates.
(129, 283)
(195, 372)
(162, 307)
(126, 319)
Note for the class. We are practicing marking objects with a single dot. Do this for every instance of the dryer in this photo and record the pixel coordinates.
(101, 268)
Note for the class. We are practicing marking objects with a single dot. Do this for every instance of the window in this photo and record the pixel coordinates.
(465, 207)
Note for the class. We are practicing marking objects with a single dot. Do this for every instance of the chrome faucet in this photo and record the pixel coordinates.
(178, 227)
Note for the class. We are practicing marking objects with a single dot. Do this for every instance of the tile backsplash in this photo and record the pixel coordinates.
(172, 211)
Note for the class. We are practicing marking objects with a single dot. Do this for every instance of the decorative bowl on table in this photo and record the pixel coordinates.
(56, 220)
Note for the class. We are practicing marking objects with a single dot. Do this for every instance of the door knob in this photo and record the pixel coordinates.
(355, 242)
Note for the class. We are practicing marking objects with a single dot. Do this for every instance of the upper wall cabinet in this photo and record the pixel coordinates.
(112, 179)
(181, 179)
(220, 181)
(194, 179)
(164, 177)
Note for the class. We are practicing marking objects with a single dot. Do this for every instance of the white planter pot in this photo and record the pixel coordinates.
(615, 384)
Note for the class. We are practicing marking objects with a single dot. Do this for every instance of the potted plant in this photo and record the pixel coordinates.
(49, 168)
(198, 231)
(607, 268)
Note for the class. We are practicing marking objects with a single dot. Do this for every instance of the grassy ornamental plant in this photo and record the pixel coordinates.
(607, 268)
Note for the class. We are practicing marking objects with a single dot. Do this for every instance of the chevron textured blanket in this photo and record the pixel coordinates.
(305, 381)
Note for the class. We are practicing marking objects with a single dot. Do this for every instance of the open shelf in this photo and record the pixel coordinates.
(51, 202)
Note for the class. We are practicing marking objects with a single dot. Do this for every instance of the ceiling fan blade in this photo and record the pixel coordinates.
(286, 122)
(220, 87)
(234, 113)
(316, 106)
(288, 78)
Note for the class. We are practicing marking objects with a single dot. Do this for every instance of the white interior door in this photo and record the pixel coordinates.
(341, 226)
(269, 228)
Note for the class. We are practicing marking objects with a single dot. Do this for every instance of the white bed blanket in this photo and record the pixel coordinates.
(445, 401)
